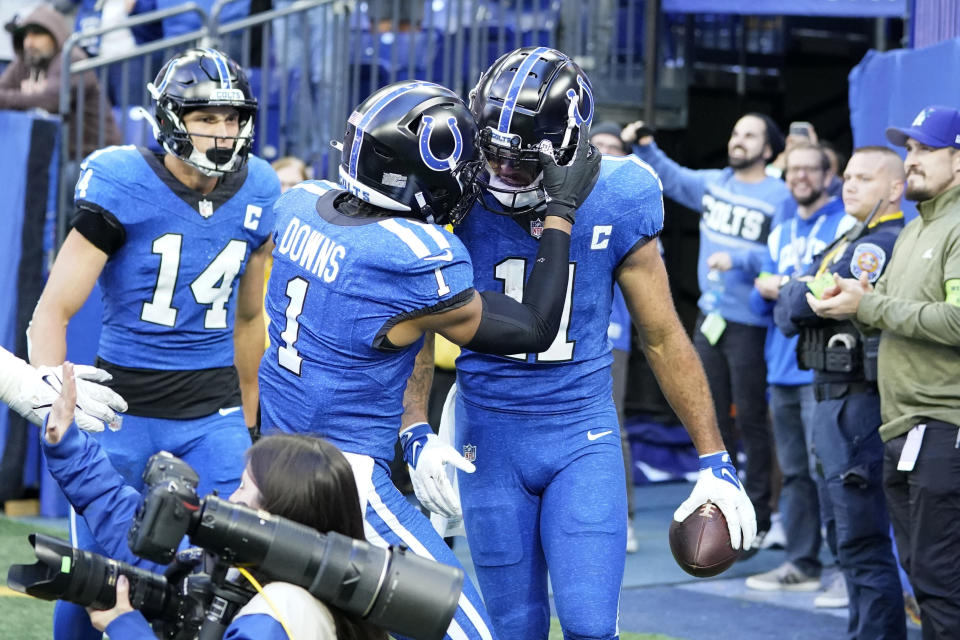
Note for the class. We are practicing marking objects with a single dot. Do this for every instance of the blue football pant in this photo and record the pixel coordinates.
(213, 445)
(548, 493)
(390, 519)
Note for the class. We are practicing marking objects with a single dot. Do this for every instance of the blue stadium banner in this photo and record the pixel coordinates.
(835, 8)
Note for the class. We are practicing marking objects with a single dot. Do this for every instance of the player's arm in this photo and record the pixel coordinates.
(643, 280)
(416, 396)
(75, 271)
(491, 322)
(249, 334)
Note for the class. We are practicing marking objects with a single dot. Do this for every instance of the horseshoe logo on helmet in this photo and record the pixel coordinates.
(431, 160)
(575, 101)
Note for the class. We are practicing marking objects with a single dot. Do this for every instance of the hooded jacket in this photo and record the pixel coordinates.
(45, 92)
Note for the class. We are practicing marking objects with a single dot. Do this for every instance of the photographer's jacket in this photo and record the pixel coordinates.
(98, 493)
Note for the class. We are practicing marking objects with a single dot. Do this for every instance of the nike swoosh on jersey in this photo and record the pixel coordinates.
(593, 436)
(446, 256)
(228, 411)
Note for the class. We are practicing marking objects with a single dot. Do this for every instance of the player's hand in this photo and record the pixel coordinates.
(427, 457)
(96, 405)
(567, 186)
(719, 484)
(100, 619)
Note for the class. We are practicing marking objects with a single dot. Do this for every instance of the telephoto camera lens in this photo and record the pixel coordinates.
(89, 580)
(390, 588)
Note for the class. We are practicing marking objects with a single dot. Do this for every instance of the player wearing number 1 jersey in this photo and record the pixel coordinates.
(177, 241)
(541, 427)
(360, 274)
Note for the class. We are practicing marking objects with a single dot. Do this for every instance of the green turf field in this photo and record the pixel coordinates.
(30, 619)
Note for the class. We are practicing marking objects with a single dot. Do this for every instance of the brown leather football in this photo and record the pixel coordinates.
(701, 543)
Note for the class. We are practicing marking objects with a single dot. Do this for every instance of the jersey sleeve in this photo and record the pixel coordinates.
(260, 217)
(640, 199)
(868, 256)
(436, 265)
(102, 185)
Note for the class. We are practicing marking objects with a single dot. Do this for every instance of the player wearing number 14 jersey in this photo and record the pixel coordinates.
(177, 241)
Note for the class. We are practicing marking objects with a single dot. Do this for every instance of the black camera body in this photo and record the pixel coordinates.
(168, 506)
(398, 591)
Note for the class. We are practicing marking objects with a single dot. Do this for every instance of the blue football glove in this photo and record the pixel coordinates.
(718, 483)
(426, 456)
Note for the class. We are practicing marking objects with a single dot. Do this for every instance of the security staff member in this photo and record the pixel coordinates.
(845, 437)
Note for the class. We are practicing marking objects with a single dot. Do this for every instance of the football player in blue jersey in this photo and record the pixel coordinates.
(360, 274)
(177, 241)
(540, 425)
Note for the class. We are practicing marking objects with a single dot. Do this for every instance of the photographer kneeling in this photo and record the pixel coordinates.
(302, 478)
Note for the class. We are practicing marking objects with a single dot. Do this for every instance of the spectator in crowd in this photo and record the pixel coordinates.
(291, 170)
(916, 306)
(125, 80)
(806, 225)
(737, 205)
(847, 412)
(32, 81)
(605, 136)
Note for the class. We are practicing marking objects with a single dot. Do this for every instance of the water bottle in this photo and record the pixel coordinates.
(714, 293)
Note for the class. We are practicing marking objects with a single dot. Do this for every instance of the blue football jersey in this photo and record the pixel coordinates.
(169, 291)
(625, 207)
(338, 285)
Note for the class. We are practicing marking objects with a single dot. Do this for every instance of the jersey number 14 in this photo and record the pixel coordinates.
(211, 288)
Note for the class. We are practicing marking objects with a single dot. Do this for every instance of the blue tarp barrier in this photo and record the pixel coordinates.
(834, 8)
(890, 89)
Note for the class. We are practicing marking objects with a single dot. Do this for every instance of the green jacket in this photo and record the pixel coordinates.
(919, 358)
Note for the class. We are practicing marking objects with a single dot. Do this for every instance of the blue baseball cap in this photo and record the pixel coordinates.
(935, 126)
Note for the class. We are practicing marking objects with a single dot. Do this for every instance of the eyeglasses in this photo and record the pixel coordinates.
(804, 169)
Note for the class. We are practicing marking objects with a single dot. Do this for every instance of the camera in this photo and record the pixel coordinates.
(391, 588)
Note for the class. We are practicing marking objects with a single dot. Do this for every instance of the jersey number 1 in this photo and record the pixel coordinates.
(212, 287)
(512, 272)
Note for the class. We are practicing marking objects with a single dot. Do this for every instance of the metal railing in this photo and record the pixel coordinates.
(311, 61)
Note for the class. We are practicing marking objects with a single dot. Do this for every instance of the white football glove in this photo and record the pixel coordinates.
(31, 392)
(426, 455)
(718, 483)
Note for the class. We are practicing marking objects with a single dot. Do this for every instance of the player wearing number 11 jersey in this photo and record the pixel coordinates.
(177, 241)
(541, 427)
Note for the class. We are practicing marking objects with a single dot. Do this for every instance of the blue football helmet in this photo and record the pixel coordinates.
(411, 147)
(526, 96)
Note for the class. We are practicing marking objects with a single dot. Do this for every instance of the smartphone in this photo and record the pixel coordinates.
(803, 129)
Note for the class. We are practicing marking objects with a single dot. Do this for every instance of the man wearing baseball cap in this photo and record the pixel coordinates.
(916, 304)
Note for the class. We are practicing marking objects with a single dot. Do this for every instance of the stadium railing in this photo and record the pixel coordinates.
(311, 61)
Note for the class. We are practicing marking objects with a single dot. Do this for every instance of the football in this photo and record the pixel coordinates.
(701, 543)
